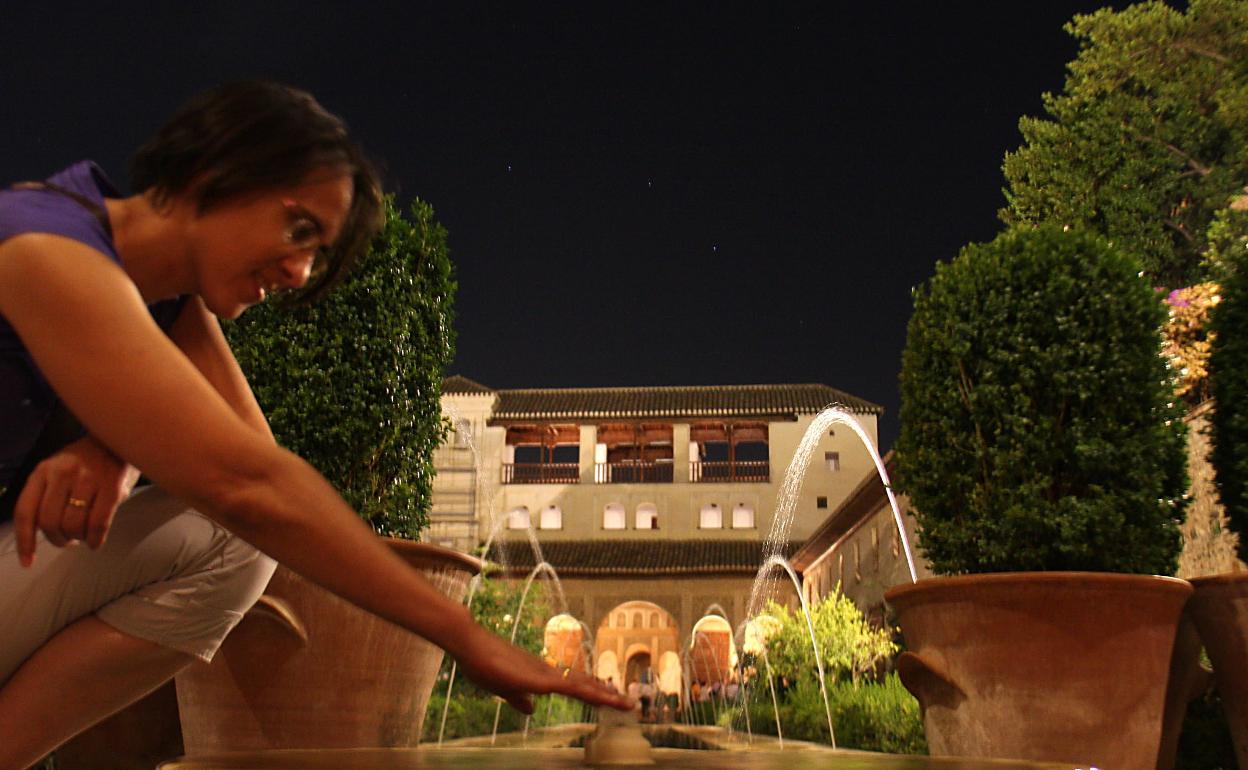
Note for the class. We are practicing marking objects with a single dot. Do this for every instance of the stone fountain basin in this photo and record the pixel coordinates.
(519, 759)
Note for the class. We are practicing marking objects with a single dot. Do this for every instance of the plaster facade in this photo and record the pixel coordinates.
(579, 478)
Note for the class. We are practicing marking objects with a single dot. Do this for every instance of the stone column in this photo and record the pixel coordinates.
(680, 453)
(589, 437)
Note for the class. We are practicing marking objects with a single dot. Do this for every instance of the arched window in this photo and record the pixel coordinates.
(711, 517)
(742, 516)
(620, 621)
(647, 516)
(636, 620)
(654, 620)
(613, 516)
(518, 518)
(551, 517)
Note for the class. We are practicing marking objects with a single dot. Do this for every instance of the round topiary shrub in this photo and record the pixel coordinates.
(1039, 430)
(1228, 374)
(352, 383)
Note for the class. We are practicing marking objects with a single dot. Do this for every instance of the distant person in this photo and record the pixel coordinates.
(109, 308)
(646, 697)
(634, 690)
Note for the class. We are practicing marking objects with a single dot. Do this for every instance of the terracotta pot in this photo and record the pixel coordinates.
(1220, 609)
(1042, 666)
(305, 669)
(1188, 681)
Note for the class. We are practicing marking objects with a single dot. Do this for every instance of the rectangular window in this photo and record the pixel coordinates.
(821, 502)
(712, 517)
(833, 460)
(551, 518)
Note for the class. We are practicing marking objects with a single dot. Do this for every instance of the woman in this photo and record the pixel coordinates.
(109, 308)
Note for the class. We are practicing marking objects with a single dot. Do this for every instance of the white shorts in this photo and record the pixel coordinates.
(166, 573)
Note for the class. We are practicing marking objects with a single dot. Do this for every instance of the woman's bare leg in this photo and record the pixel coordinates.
(84, 673)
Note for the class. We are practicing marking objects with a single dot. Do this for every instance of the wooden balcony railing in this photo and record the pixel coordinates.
(633, 472)
(725, 471)
(541, 473)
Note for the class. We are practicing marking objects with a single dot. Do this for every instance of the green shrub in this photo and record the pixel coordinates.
(1205, 742)
(352, 383)
(473, 714)
(848, 645)
(1228, 374)
(1039, 430)
(872, 716)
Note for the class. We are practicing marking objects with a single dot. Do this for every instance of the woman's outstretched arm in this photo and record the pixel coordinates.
(88, 329)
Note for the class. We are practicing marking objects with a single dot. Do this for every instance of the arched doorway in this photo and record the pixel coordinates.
(608, 669)
(712, 654)
(639, 668)
(636, 636)
(562, 644)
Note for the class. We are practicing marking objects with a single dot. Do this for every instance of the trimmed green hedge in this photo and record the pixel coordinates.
(1228, 374)
(352, 383)
(1039, 430)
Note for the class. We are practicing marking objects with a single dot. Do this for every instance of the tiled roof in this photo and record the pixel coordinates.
(610, 557)
(672, 402)
(458, 384)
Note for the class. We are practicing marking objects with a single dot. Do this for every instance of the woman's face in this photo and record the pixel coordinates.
(252, 245)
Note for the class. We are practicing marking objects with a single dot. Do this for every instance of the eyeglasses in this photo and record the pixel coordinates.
(303, 229)
(304, 232)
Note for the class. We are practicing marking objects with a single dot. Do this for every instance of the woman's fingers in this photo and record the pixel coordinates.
(100, 518)
(521, 703)
(76, 514)
(53, 507)
(26, 518)
(590, 690)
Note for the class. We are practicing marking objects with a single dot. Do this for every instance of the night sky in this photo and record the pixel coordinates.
(636, 194)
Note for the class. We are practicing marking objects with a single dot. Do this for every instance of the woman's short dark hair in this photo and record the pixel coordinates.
(254, 135)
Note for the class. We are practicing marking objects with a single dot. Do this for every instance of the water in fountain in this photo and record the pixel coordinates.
(791, 488)
(775, 703)
(549, 570)
(782, 521)
(476, 583)
(768, 566)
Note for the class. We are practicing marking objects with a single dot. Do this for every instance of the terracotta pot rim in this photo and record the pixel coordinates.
(1220, 579)
(433, 555)
(1104, 581)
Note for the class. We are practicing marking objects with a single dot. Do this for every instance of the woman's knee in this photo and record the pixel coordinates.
(209, 579)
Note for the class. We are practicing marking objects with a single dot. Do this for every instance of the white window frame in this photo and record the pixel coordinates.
(609, 519)
(646, 516)
(519, 518)
(743, 516)
(551, 517)
(711, 517)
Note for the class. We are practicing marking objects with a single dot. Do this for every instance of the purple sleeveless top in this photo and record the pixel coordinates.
(26, 399)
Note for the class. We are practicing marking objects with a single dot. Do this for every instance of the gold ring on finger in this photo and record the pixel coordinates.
(76, 502)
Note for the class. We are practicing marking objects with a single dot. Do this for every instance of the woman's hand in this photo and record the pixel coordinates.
(516, 676)
(72, 496)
